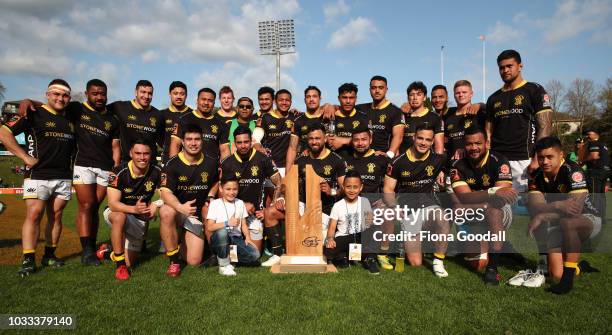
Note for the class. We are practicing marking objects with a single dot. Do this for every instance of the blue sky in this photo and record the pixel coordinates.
(214, 43)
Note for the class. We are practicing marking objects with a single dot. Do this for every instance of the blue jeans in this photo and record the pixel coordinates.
(220, 242)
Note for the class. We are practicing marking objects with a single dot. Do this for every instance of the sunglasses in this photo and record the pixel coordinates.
(245, 106)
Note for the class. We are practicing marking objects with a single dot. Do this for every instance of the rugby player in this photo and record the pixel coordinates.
(439, 99)
(419, 114)
(214, 130)
(346, 120)
(562, 212)
(598, 169)
(265, 98)
(245, 118)
(226, 98)
(483, 180)
(329, 166)
(178, 97)
(188, 181)
(47, 180)
(299, 131)
(131, 186)
(251, 168)
(412, 176)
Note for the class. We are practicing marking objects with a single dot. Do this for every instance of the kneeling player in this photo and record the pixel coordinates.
(131, 187)
(227, 224)
(558, 196)
(188, 180)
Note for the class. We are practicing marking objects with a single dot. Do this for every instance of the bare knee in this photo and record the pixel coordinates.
(167, 214)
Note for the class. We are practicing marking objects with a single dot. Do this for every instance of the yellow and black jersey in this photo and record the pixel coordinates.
(328, 166)
(95, 132)
(569, 179)
(277, 129)
(371, 167)
(455, 126)
(135, 122)
(512, 114)
(346, 126)
(50, 137)
(417, 177)
(134, 187)
(251, 173)
(604, 155)
(171, 116)
(300, 127)
(226, 120)
(413, 121)
(383, 120)
(214, 131)
(492, 169)
(190, 181)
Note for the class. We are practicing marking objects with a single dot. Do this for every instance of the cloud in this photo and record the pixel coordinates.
(357, 31)
(573, 18)
(22, 63)
(332, 11)
(503, 33)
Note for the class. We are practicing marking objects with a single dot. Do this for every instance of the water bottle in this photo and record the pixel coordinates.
(399, 260)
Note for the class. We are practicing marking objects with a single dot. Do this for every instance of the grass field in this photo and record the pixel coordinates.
(201, 301)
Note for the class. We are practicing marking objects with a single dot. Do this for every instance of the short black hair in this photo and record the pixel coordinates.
(473, 130)
(247, 99)
(316, 126)
(191, 128)
(226, 178)
(352, 174)
(241, 130)
(95, 82)
(282, 91)
(362, 129)
(417, 86)
(207, 90)
(439, 87)
(141, 141)
(347, 87)
(380, 78)
(509, 54)
(590, 130)
(143, 83)
(176, 84)
(424, 126)
(58, 81)
(311, 87)
(547, 142)
(264, 90)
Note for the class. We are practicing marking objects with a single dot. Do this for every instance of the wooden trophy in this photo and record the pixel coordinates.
(303, 236)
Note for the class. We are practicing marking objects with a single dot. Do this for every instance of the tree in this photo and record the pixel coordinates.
(602, 123)
(556, 95)
(581, 98)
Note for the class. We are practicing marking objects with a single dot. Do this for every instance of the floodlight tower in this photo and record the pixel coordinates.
(277, 38)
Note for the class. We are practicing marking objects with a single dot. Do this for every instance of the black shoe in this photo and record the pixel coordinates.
(89, 258)
(585, 267)
(342, 263)
(27, 267)
(491, 277)
(52, 262)
(210, 262)
(371, 265)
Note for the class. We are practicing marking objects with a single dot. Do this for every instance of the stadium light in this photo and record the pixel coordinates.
(277, 38)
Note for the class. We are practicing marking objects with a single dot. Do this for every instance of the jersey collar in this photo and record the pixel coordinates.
(88, 106)
(181, 156)
(323, 155)
(382, 105)
(484, 160)
(253, 151)
(136, 105)
(546, 180)
(131, 168)
(174, 110)
(49, 109)
(232, 115)
(426, 110)
(274, 113)
(199, 115)
(414, 159)
(367, 154)
(312, 115)
(521, 84)
(340, 114)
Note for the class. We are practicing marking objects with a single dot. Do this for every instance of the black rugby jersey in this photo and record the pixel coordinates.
(416, 176)
(171, 116)
(604, 156)
(95, 132)
(455, 126)
(346, 125)
(190, 181)
(50, 137)
(277, 130)
(492, 169)
(328, 166)
(137, 123)
(251, 174)
(569, 179)
(300, 128)
(512, 114)
(412, 122)
(226, 120)
(214, 132)
(134, 187)
(383, 120)
(371, 167)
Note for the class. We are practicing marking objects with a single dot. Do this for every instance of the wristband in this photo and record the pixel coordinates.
(493, 190)
(390, 154)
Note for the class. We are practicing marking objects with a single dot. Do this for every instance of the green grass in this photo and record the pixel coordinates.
(9, 178)
(256, 301)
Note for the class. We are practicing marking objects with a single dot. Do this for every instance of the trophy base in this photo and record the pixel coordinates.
(303, 264)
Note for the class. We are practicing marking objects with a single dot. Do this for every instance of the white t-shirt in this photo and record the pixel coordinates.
(221, 210)
(350, 216)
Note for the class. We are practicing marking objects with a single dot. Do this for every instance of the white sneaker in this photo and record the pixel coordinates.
(275, 259)
(520, 277)
(227, 270)
(438, 269)
(536, 279)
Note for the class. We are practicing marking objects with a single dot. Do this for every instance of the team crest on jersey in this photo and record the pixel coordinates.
(382, 118)
(371, 167)
(153, 121)
(518, 100)
(450, 126)
(497, 104)
(204, 176)
(350, 167)
(182, 178)
(429, 169)
(237, 174)
(132, 117)
(505, 169)
(355, 124)
(304, 128)
(471, 181)
(272, 126)
(467, 124)
(577, 177)
(214, 129)
(327, 170)
(340, 125)
(107, 125)
(289, 124)
(128, 190)
(168, 121)
(405, 173)
(148, 186)
(85, 117)
(254, 170)
(49, 124)
(486, 180)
